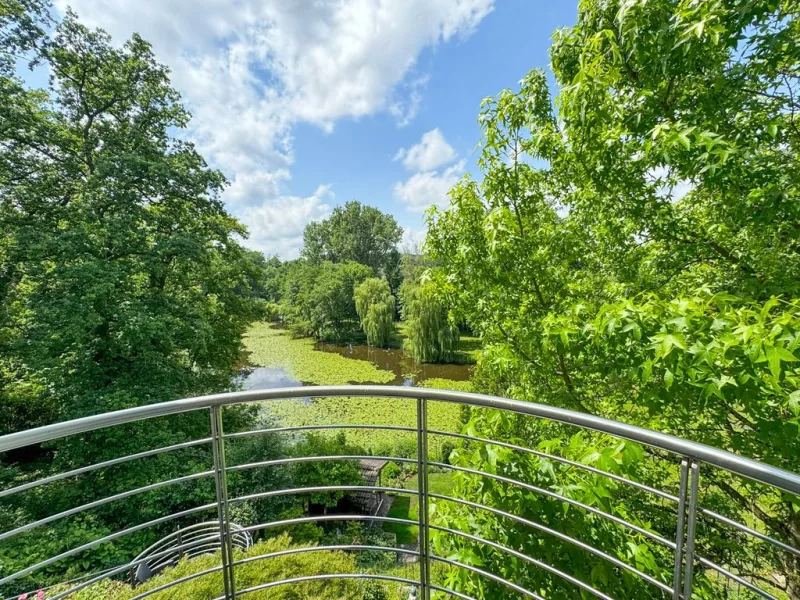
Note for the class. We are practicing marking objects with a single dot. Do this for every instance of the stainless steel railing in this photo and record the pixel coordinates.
(690, 456)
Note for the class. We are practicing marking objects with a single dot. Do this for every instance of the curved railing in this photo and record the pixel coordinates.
(688, 456)
(187, 542)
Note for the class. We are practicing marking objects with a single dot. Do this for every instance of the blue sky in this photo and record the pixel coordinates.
(308, 104)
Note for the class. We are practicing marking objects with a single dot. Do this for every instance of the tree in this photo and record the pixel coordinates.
(636, 257)
(329, 473)
(121, 279)
(329, 307)
(375, 308)
(430, 336)
(357, 233)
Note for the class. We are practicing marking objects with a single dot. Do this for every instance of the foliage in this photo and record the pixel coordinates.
(635, 255)
(357, 233)
(326, 473)
(375, 308)
(430, 336)
(330, 307)
(207, 587)
(122, 281)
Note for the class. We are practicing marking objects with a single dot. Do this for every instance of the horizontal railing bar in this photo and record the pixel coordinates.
(194, 551)
(725, 573)
(100, 465)
(551, 494)
(561, 459)
(562, 536)
(615, 519)
(337, 547)
(750, 531)
(126, 567)
(392, 578)
(526, 558)
(105, 539)
(101, 502)
(320, 518)
(239, 434)
(323, 488)
(492, 576)
(751, 469)
(302, 459)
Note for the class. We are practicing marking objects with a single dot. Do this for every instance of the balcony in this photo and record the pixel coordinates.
(688, 461)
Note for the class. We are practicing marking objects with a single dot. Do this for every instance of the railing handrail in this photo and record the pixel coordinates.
(734, 463)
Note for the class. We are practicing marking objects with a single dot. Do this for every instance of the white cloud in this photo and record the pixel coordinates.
(430, 153)
(249, 70)
(423, 190)
(276, 226)
(413, 239)
(405, 109)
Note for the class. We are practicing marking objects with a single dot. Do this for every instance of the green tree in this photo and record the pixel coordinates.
(375, 307)
(430, 335)
(329, 306)
(635, 256)
(334, 472)
(358, 233)
(121, 279)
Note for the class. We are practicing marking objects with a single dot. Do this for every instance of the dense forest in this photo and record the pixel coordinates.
(631, 249)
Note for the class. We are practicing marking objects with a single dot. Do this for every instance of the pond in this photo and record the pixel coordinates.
(405, 369)
(265, 378)
(278, 360)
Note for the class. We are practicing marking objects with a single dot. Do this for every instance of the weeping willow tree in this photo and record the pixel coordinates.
(430, 337)
(375, 308)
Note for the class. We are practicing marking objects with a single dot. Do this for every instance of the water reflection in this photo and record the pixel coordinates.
(406, 370)
(265, 378)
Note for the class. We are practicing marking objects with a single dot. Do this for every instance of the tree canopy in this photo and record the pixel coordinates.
(122, 279)
(632, 251)
(358, 233)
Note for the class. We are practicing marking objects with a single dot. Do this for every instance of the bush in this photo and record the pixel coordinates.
(248, 575)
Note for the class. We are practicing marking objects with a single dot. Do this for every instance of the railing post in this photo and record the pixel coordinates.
(686, 529)
(422, 494)
(690, 530)
(221, 485)
(680, 533)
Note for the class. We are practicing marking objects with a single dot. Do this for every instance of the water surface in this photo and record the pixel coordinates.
(406, 370)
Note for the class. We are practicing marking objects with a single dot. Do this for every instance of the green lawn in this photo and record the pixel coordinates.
(405, 506)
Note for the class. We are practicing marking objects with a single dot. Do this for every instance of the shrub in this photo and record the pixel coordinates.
(207, 587)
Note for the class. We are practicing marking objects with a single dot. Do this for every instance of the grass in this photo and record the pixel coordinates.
(272, 347)
(405, 506)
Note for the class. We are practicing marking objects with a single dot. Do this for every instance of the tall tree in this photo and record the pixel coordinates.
(635, 255)
(358, 233)
(121, 278)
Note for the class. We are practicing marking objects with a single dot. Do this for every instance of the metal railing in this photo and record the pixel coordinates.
(187, 542)
(689, 456)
